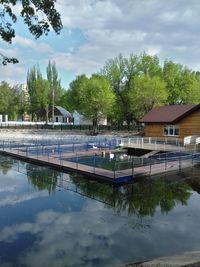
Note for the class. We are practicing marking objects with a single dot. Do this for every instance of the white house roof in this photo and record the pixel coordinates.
(63, 112)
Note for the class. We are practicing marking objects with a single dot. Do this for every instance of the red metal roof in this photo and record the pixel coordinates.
(169, 114)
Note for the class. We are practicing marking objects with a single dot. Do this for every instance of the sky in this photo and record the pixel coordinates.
(97, 30)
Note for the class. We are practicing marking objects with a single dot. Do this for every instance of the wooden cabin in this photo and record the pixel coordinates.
(175, 121)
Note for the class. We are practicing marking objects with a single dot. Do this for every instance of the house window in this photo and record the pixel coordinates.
(171, 130)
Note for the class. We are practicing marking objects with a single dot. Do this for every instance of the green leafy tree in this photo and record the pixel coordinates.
(146, 93)
(23, 103)
(33, 75)
(41, 98)
(122, 74)
(91, 97)
(182, 84)
(39, 94)
(56, 90)
(9, 101)
(115, 71)
(38, 16)
(73, 96)
(149, 65)
(5, 94)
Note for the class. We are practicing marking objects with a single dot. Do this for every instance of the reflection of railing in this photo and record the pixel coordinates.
(62, 180)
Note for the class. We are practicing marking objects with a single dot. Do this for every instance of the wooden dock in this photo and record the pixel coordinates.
(115, 177)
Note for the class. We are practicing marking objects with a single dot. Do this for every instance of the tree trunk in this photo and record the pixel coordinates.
(47, 113)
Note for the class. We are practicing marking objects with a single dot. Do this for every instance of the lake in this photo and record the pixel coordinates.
(48, 218)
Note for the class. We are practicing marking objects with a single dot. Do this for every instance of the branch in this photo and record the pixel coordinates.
(5, 60)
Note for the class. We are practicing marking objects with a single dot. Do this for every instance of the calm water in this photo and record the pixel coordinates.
(52, 219)
(117, 161)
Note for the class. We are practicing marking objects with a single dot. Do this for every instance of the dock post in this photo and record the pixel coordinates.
(114, 169)
(165, 161)
(150, 166)
(37, 150)
(179, 163)
(192, 157)
(94, 165)
(132, 166)
(76, 161)
(59, 153)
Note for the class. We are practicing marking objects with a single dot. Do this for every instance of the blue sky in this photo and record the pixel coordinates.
(96, 30)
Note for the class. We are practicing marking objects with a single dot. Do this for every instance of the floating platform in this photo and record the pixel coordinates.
(97, 173)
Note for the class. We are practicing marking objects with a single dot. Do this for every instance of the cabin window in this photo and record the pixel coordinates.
(171, 130)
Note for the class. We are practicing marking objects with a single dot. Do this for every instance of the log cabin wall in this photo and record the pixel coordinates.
(190, 125)
(154, 130)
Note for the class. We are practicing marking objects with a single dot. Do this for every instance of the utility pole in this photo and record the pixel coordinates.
(53, 107)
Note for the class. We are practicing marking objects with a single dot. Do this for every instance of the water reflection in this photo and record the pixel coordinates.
(141, 198)
(42, 178)
(87, 223)
(6, 164)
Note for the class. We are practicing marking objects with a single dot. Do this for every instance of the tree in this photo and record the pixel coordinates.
(146, 93)
(56, 90)
(9, 101)
(149, 65)
(182, 84)
(41, 98)
(39, 16)
(33, 75)
(4, 97)
(73, 96)
(91, 97)
(116, 72)
(122, 73)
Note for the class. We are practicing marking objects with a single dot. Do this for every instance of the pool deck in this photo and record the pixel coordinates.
(115, 177)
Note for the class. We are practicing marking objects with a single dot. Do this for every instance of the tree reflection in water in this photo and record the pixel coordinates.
(141, 198)
(42, 178)
(6, 164)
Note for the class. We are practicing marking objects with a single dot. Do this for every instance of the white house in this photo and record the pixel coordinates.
(80, 119)
(61, 115)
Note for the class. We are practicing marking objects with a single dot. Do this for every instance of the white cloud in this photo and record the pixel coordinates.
(169, 29)
(83, 237)
(157, 27)
(13, 74)
(40, 47)
(11, 200)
